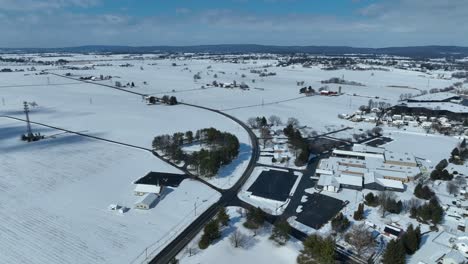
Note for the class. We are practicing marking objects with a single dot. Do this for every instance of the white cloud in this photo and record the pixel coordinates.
(29, 5)
(384, 23)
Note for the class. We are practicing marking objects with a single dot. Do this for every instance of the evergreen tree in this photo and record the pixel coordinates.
(317, 250)
(223, 217)
(280, 233)
(371, 199)
(211, 233)
(410, 240)
(423, 192)
(255, 218)
(455, 152)
(263, 121)
(394, 253)
(340, 223)
(359, 213)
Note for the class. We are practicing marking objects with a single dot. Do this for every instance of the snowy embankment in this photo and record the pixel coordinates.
(256, 249)
(55, 195)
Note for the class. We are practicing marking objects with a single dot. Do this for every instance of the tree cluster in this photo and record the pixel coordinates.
(396, 250)
(394, 253)
(172, 100)
(423, 192)
(459, 154)
(340, 223)
(280, 233)
(211, 231)
(431, 211)
(255, 218)
(360, 238)
(223, 148)
(317, 249)
(210, 234)
(440, 172)
(388, 203)
(411, 239)
(371, 199)
(307, 90)
(299, 143)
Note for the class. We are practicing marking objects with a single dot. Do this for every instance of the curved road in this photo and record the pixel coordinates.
(189, 233)
(228, 197)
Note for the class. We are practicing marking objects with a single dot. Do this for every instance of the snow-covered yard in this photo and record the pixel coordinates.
(257, 249)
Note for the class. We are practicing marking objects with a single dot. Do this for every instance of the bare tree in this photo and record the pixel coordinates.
(293, 121)
(275, 120)
(452, 187)
(238, 239)
(265, 134)
(252, 122)
(412, 203)
(241, 211)
(360, 238)
(384, 198)
(191, 250)
(460, 181)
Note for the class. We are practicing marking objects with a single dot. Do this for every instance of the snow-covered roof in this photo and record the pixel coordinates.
(392, 173)
(355, 153)
(372, 177)
(350, 180)
(390, 183)
(147, 188)
(351, 170)
(447, 106)
(320, 171)
(148, 199)
(328, 180)
(366, 148)
(399, 157)
(434, 96)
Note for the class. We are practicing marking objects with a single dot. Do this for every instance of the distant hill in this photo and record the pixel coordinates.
(415, 51)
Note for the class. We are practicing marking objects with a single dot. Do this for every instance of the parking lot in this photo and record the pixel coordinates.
(273, 184)
(318, 210)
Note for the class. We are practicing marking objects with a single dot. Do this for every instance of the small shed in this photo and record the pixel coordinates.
(146, 201)
(392, 231)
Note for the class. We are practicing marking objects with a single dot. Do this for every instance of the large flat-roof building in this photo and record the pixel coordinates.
(378, 170)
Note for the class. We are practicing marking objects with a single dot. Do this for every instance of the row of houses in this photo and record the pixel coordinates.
(366, 167)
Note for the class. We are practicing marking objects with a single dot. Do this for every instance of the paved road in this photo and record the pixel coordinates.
(228, 196)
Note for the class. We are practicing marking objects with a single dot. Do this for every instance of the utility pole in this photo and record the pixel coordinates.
(26, 111)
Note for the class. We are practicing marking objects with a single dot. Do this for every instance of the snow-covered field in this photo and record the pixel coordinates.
(258, 249)
(55, 194)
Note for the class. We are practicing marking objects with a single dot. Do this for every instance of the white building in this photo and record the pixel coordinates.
(146, 201)
(142, 189)
(328, 183)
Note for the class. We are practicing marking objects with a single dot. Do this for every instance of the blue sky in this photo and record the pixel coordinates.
(360, 23)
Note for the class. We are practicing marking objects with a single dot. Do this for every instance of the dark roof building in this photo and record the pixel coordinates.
(162, 178)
